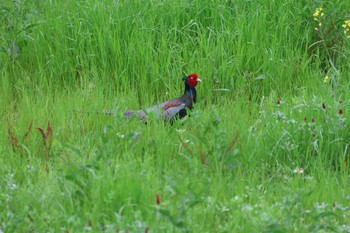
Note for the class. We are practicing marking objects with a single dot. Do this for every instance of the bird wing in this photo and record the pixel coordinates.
(170, 112)
(172, 103)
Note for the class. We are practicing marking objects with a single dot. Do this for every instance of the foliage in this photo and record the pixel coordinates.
(266, 148)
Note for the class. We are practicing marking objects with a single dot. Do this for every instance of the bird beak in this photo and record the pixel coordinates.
(198, 80)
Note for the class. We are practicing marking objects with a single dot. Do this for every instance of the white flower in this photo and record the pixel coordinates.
(298, 171)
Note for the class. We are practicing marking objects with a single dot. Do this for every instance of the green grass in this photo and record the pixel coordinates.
(232, 166)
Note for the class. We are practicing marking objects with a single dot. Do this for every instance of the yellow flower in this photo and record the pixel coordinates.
(318, 12)
(326, 79)
(346, 24)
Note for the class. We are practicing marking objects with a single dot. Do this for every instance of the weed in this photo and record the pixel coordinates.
(265, 149)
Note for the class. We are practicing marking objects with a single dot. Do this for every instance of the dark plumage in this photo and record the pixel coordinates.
(173, 108)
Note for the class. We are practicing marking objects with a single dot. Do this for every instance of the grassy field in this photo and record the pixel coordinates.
(266, 148)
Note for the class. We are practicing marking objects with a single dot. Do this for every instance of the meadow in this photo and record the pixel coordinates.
(266, 148)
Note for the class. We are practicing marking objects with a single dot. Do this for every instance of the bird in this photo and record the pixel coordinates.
(173, 108)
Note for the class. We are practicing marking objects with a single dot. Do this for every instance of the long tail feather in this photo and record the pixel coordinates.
(141, 115)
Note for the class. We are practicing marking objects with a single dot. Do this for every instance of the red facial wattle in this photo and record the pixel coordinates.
(193, 80)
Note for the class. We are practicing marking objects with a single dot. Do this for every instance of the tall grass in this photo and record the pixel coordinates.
(266, 148)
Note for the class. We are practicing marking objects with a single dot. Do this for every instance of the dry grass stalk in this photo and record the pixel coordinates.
(203, 158)
(28, 131)
(43, 134)
(13, 138)
(49, 134)
(47, 138)
(233, 142)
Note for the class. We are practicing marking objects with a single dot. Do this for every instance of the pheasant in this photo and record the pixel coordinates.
(173, 108)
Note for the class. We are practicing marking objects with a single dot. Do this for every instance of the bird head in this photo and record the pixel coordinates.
(192, 80)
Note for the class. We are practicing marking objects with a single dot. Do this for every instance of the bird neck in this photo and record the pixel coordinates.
(191, 92)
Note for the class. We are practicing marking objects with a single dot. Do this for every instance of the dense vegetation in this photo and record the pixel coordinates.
(266, 148)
